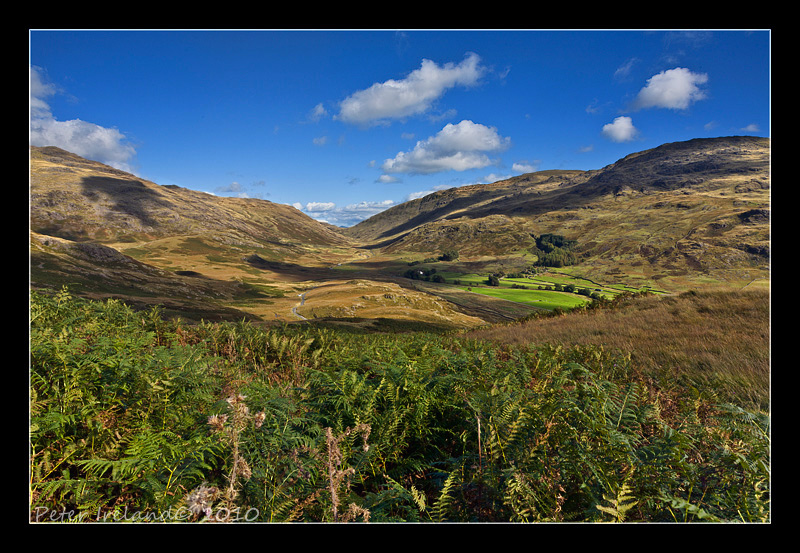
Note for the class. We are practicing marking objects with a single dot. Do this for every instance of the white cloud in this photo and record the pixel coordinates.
(751, 128)
(343, 216)
(79, 137)
(317, 113)
(525, 167)
(493, 177)
(413, 95)
(39, 92)
(456, 147)
(624, 70)
(369, 207)
(672, 89)
(423, 193)
(320, 206)
(621, 130)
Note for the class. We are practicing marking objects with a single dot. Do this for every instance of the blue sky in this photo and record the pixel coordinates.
(345, 123)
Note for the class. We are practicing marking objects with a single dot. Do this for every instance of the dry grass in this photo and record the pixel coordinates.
(362, 298)
(718, 341)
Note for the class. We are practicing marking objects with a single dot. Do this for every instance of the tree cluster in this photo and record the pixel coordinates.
(428, 275)
(553, 250)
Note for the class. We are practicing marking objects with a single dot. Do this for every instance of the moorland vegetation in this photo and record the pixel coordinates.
(136, 417)
(560, 346)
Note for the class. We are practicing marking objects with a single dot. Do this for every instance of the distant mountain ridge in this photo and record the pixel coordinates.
(447, 204)
(684, 214)
(79, 199)
(666, 167)
(678, 209)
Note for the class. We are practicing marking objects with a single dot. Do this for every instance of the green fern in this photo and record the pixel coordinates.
(619, 503)
(460, 429)
(444, 501)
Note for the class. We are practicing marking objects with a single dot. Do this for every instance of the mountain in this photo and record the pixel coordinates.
(108, 233)
(472, 201)
(80, 200)
(692, 210)
(684, 215)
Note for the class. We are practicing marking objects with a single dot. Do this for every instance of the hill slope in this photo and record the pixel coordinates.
(108, 233)
(679, 216)
(686, 211)
(79, 199)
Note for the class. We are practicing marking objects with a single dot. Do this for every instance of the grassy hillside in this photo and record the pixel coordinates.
(563, 346)
(107, 233)
(136, 418)
(680, 216)
(78, 199)
(717, 339)
(387, 226)
(684, 216)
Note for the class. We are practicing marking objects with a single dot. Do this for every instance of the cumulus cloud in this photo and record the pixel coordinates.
(423, 193)
(413, 95)
(620, 130)
(525, 166)
(456, 147)
(39, 92)
(317, 113)
(345, 216)
(317, 207)
(672, 89)
(85, 139)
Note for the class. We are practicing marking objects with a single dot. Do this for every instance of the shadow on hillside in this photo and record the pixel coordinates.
(438, 212)
(574, 196)
(294, 272)
(129, 196)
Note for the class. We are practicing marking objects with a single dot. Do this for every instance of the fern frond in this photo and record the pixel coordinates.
(445, 499)
(620, 504)
(621, 501)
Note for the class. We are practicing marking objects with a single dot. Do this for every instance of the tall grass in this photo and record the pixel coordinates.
(715, 340)
(136, 418)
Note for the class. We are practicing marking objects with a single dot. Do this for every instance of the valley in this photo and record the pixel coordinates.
(561, 346)
(691, 215)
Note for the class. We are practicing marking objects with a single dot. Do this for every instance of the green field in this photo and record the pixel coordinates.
(545, 299)
(532, 294)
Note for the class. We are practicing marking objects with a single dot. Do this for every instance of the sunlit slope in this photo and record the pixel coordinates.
(106, 232)
(679, 214)
(78, 199)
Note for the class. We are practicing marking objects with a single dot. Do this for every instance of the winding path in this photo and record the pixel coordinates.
(302, 301)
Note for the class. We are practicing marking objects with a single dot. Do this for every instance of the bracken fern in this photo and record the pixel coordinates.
(131, 411)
